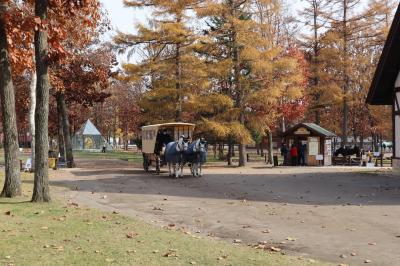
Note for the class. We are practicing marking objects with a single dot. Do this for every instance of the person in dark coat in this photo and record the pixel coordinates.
(163, 138)
(302, 154)
(284, 153)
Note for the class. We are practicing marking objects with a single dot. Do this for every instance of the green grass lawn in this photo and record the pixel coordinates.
(120, 155)
(63, 233)
(130, 156)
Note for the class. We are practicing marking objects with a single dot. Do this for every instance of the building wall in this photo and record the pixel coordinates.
(397, 136)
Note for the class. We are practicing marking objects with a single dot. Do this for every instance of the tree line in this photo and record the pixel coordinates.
(51, 62)
(243, 69)
(240, 69)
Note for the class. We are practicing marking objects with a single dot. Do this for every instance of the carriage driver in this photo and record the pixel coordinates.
(163, 138)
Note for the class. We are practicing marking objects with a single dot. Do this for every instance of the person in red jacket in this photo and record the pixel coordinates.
(294, 154)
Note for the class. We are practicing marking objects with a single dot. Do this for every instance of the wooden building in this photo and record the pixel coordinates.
(318, 142)
(385, 87)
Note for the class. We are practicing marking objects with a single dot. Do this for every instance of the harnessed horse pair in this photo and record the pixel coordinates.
(178, 153)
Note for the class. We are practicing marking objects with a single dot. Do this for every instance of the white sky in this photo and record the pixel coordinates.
(124, 19)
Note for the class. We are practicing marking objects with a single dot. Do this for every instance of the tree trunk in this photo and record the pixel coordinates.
(346, 77)
(12, 184)
(242, 147)
(270, 148)
(61, 143)
(66, 130)
(230, 152)
(178, 77)
(41, 191)
(221, 151)
(126, 137)
(262, 147)
(32, 107)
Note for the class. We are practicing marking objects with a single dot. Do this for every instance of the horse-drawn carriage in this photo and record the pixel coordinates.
(171, 144)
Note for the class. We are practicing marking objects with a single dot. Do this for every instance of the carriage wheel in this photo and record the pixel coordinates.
(158, 165)
(146, 163)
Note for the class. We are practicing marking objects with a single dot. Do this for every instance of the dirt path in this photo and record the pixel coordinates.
(323, 213)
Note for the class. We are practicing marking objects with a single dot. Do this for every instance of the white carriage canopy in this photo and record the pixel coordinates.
(149, 133)
(88, 138)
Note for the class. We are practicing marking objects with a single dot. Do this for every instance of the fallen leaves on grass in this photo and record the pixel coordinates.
(171, 253)
(131, 235)
(275, 249)
(222, 257)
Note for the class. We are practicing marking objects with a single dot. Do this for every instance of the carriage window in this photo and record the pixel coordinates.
(149, 134)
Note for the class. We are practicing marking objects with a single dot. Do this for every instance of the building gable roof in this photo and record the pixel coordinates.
(382, 86)
(316, 129)
(89, 129)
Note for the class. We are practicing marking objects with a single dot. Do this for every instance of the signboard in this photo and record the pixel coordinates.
(319, 157)
(313, 146)
(328, 147)
(302, 131)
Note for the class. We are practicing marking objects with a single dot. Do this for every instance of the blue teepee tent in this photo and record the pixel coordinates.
(88, 137)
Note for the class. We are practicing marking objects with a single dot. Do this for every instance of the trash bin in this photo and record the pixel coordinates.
(53, 163)
(276, 160)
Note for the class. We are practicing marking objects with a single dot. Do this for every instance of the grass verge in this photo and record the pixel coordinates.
(63, 233)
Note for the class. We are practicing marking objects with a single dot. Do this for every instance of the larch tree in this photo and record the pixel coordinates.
(248, 65)
(350, 48)
(12, 185)
(313, 16)
(169, 69)
(347, 21)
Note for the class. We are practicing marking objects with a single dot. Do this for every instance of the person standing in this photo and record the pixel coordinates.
(284, 153)
(294, 155)
(103, 150)
(302, 154)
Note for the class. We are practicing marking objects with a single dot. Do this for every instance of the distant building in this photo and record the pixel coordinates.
(385, 87)
(88, 138)
(317, 141)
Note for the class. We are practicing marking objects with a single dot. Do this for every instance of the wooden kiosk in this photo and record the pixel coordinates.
(317, 139)
(385, 87)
